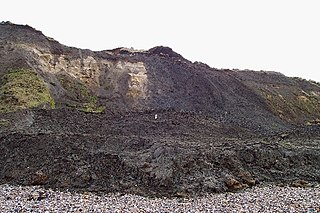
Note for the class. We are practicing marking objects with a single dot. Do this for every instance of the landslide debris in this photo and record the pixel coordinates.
(148, 122)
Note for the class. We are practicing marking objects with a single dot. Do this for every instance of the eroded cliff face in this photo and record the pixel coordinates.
(75, 76)
(124, 79)
(100, 76)
(215, 130)
(288, 98)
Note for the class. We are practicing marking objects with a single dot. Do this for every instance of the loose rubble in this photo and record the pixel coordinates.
(256, 199)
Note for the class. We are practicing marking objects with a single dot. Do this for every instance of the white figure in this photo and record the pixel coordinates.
(155, 116)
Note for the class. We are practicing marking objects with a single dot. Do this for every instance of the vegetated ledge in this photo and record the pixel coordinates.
(23, 88)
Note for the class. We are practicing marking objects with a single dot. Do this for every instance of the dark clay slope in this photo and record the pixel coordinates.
(92, 122)
(127, 80)
(292, 99)
(176, 154)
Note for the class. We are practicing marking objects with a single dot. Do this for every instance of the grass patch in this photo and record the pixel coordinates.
(292, 105)
(92, 105)
(83, 98)
(92, 108)
(21, 89)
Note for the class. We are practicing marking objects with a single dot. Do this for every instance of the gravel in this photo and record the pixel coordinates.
(256, 199)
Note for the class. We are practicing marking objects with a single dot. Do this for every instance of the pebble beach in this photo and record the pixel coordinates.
(256, 199)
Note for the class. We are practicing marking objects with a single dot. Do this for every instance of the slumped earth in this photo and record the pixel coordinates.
(148, 122)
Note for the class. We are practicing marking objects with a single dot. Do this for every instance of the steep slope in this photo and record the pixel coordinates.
(292, 99)
(148, 121)
(125, 80)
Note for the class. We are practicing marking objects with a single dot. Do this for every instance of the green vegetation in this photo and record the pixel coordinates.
(92, 106)
(23, 88)
(83, 97)
(75, 89)
(292, 104)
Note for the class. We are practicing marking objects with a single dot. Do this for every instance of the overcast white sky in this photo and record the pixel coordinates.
(274, 35)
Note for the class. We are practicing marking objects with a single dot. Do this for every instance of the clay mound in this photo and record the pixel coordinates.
(148, 122)
(176, 154)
